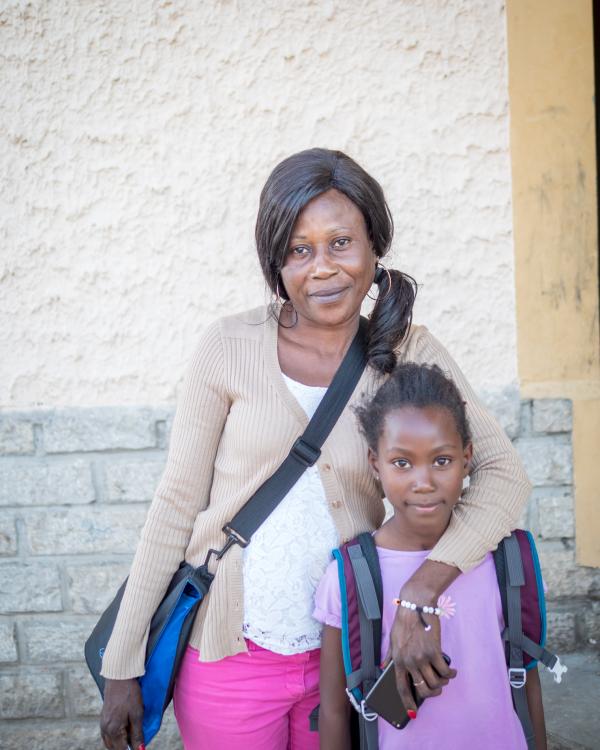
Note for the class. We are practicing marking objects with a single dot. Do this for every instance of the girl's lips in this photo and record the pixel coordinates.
(426, 508)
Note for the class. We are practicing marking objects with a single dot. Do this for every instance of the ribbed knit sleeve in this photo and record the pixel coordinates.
(499, 487)
(183, 492)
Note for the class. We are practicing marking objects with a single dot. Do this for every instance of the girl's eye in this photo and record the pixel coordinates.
(401, 463)
(442, 461)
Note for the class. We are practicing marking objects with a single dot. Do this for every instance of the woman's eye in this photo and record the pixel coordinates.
(299, 251)
(401, 463)
(442, 461)
(341, 242)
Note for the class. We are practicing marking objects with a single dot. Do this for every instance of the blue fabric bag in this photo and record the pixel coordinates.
(167, 640)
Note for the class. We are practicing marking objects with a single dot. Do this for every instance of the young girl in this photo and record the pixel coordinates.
(420, 449)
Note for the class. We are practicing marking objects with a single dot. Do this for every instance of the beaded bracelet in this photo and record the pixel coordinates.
(445, 608)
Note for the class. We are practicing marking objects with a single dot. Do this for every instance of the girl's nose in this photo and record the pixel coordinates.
(423, 481)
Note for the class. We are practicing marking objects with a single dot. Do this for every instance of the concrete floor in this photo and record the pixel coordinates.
(572, 708)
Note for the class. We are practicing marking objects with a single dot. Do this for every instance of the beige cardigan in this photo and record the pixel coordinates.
(234, 425)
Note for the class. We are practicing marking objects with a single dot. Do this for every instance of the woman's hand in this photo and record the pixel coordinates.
(417, 652)
(121, 716)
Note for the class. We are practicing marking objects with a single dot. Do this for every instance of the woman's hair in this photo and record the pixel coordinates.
(290, 186)
(413, 385)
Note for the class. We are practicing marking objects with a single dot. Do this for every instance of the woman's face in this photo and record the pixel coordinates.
(330, 262)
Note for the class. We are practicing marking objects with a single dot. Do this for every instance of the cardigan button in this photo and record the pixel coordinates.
(336, 504)
(326, 467)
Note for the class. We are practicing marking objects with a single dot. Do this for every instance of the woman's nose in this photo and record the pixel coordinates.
(322, 263)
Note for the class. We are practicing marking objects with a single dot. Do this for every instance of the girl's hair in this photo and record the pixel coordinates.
(412, 385)
(290, 186)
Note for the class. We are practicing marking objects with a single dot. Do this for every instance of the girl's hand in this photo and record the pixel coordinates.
(122, 714)
(417, 652)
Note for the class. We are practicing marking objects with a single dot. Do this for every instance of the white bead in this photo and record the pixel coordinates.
(413, 606)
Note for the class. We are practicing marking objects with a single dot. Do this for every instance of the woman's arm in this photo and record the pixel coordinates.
(533, 689)
(498, 489)
(334, 712)
(182, 493)
(488, 511)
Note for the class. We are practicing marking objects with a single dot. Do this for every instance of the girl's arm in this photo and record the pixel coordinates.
(334, 712)
(536, 708)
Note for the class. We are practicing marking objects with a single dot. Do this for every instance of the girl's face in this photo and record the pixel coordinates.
(421, 463)
(330, 263)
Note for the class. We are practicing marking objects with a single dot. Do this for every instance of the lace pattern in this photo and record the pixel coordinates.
(287, 557)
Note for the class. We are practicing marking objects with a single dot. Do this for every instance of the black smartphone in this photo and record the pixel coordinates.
(384, 699)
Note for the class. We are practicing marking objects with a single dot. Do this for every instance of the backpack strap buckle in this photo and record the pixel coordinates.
(517, 676)
(558, 670)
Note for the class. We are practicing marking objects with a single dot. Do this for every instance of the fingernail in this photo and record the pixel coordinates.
(411, 714)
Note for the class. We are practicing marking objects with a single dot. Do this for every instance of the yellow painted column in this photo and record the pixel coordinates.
(553, 153)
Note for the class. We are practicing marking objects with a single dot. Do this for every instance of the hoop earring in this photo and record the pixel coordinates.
(378, 278)
(278, 297)
(287, 305)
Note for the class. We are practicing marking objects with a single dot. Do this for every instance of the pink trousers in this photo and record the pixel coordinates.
(255, 701)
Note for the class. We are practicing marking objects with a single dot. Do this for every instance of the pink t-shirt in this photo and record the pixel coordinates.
(475, 709)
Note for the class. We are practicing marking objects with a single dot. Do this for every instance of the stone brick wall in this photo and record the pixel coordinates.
(544, 443)
(74, 488)
(75, 485)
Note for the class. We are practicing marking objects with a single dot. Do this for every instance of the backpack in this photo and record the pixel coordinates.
(523, 606)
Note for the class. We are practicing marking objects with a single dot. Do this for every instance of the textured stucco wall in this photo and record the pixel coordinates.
(134, 141)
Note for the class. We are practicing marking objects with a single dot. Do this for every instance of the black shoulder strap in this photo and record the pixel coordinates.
(304, 452)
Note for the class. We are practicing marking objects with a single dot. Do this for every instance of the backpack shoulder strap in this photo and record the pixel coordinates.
(511, 578)
(369, 549)
(533, 605)
(364, 562)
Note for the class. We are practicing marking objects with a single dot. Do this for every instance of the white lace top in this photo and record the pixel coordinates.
(287, 558)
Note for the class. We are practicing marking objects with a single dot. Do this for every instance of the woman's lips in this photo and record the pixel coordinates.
(328, 295)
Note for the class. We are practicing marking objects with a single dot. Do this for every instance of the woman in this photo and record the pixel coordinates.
(250, 675)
